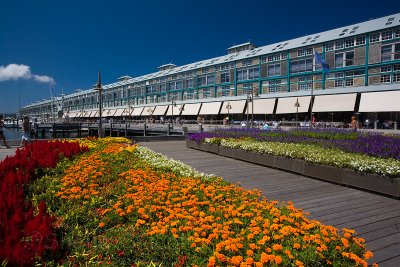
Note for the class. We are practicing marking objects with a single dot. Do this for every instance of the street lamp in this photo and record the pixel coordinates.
(250, 98)
(98, 87)
(173, 104)
(297, 105)
(228, 107)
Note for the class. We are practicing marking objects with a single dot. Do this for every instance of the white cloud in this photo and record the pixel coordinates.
(21, 71)
(15, 72)
(43, 79)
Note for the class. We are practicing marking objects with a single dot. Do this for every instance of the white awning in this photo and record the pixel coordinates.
(191, 109)
(288, 105)
(137, 112)
(126, 112)
(85, 114)
(108, 112)
(177, 110)
(388, 101)
(160, 110)
(262, 106)
(94, 114)
(72, 114)
(148, 111)
(329, 103)
(119, 112)
(211, 108)
(236, 107)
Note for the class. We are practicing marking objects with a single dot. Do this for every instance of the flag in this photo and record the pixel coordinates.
(319, 59)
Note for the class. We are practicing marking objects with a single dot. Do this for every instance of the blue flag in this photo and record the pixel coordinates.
(319, 59)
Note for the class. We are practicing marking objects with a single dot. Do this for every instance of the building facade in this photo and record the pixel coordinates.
(283, 78)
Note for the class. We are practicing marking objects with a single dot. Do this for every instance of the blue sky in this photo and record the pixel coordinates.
(63, 43)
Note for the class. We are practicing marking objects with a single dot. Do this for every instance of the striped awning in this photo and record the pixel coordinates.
(160, 110)
(137, 112)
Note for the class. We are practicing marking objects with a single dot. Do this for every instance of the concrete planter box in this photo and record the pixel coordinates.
(323, 172)
(293, 165)
(192, 144)
(209, 148)
(226, 151)
(371, 182)
(263, 159)
(242, 155)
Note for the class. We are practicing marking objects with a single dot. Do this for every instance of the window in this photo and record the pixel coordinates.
(349, 43)
(339, 75)
(385, 78)
(396, 77)
(349, 82)
(339, 45)
(390, 52)
(274, 70)
(225, 77)
(163, 87)
(305, 86)
(344, 59)
(396, 67)
(248, 74)
(284, 56)
(329, 47)
(338, 83)
(301, 52)
(374, 37)
(301, 65)
(387, 35)
(270, 58)
(205, 80)
(225, 90)
(360, 40)
(246, 63)
(305, 82)
(175, 85)
(274, 86)
(386, 69)
(397, 33)
(189, 83)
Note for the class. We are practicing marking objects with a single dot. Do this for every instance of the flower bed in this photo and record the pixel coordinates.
(372, 144)
(370, 153)
(124, 205)
(26, 231)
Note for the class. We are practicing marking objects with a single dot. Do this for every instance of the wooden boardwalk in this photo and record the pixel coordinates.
(375, 218)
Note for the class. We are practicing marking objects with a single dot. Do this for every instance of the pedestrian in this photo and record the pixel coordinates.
(2, 137)
(26, 129)
(353, 123)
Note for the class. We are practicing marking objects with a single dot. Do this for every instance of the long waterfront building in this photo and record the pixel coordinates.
(283, 79)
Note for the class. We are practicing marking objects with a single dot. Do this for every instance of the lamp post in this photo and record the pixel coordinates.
(173, 104)
(250, 98)
(228, 107)
(98, 87)
(297, 105)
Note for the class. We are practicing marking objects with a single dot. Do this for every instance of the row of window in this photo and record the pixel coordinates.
(384, 35)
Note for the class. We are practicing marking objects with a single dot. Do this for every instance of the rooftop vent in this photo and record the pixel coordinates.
(241, 47)
(166, 67)
(389, 21)
(124, 78)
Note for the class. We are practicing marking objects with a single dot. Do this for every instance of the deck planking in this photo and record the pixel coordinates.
(376, 218)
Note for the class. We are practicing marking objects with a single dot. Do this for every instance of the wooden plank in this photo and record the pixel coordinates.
(376, 218)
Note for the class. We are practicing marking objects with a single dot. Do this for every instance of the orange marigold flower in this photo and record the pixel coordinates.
(211, 261)
(101, 225)
(296, 245)
(367, 255)
(249, 253)
(236, 260)
(277, 247)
